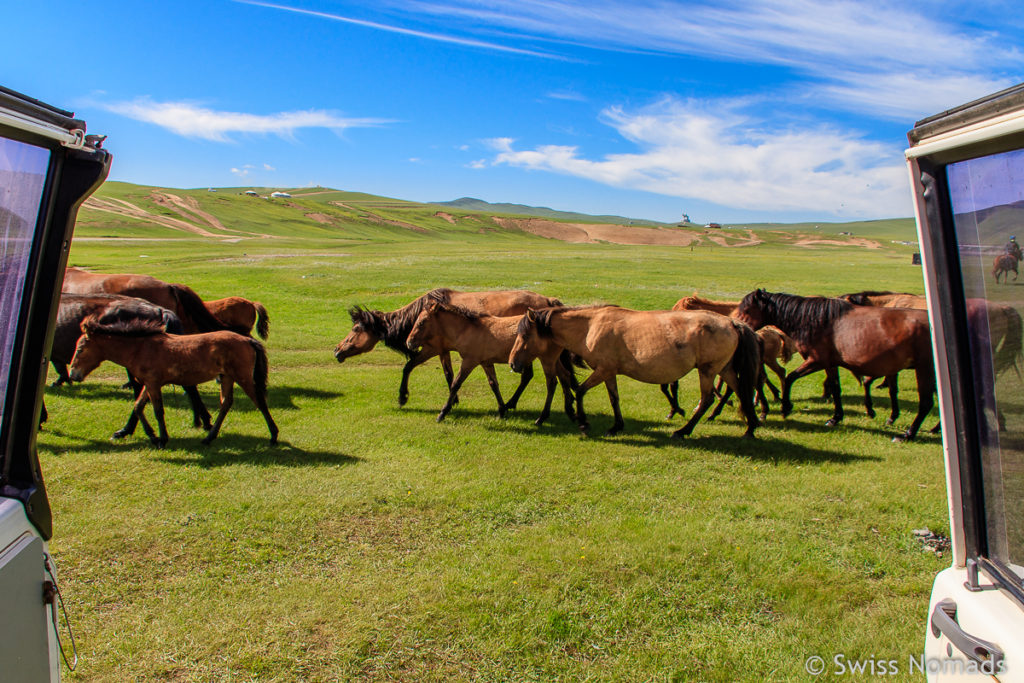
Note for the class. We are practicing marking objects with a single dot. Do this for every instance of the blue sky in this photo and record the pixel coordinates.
(776, 110)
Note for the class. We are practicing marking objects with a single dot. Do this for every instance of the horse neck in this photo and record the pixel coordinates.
(121, 350)
(569, 328)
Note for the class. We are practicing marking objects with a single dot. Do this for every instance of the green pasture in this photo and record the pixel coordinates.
(376, 544)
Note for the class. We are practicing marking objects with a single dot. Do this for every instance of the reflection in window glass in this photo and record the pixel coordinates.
(987, 197)
(22, 174)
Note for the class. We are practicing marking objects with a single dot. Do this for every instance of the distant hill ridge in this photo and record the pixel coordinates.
(472, 204)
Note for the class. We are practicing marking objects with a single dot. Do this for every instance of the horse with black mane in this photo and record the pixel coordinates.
(393, 327)
(109, 309)
(831, 333)
(657, 347)
(157, 359)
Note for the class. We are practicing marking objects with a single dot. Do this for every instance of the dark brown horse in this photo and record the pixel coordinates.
(484, 340)
(180, 299)
(393, 328)
(657, 347)
(158, 359)
(832, 333)
(1005, 264)
(109, 309)
(241, 314)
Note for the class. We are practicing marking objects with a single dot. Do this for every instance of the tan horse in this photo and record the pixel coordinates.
(697, 303)
(157, 359)
(179, 299)
(238, 314)
(393, 328)
(657, 347)
(483, 339)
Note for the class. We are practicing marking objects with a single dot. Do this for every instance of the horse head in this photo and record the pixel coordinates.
(424, 327)
(367, 330)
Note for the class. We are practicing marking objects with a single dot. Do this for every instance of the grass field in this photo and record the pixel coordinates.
(376, 544)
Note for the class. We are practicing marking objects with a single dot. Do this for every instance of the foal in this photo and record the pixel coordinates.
(157, 358)
(483, 339)
(240, 315)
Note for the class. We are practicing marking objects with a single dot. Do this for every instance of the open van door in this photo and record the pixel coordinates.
(967, 169)
(48, 166)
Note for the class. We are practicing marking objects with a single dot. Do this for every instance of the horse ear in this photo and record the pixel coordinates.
(531, 315)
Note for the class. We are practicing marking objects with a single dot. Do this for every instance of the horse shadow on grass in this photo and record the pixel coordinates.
(226, 449)
(279, 396)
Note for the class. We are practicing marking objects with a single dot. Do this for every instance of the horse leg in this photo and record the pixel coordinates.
(613, 396)
(721, 404)
(867, 396)
(227, 397)
(133, 419)
(806, 368)
(492, 382)
(595, 378)
(550, 381)
(62, 374)
(671, 392)
(707, 391)
(524, 379)
(925, 390)
(200, 415)
(132, 383)
(832, 377)
(565, 379)
(420, 358)
(894, 401)
(156, 396)
(446, 368)
(464, 371)
(772, 388)
(779, 371)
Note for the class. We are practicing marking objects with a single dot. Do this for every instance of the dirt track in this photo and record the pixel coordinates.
(591, 233)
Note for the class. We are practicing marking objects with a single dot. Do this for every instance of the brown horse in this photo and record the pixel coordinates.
(1004, 264)
(180, 299)
(697, 303)
(483, 339)
(657, 347)
(775, 345)
(157, 359)
(887, 299)
(239, 314)
(832, 333)
(108, 309)
(393, 328)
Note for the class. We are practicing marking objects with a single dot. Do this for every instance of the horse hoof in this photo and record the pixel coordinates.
(402, 400)
(612, 432)
(679, 434)
(539, 421)
(832, 422)
(890, 421)
(206, 441)
(871, 414)
(440, 417)
(119, 434)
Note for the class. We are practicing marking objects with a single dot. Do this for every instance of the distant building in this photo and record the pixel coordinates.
(713, 226)
(686, 218)
(280, 195)
(252, 193)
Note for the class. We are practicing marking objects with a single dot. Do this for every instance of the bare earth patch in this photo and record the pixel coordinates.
(447, 216)
(320, 218)
(380, 220)
(591, 233)
(852, 242)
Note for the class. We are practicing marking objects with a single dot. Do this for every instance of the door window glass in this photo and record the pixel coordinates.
(22, 177)
(987, 197)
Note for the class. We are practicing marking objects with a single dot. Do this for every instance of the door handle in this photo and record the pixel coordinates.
(989, 655)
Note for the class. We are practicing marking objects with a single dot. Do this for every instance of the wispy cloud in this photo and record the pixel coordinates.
(194, 121)
(440, 37)
(566, 95)
(717, 152)
(847, 46)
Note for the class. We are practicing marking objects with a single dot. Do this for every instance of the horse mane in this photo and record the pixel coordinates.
(801, 317)
(463, 312)
(129, 327)
(393, 327)
(542, 318)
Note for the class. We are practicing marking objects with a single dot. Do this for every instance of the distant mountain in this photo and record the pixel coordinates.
(471, 204)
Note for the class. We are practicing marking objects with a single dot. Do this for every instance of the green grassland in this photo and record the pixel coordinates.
(376, 544)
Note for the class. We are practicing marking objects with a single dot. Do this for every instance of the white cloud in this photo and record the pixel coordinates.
(191, 120)
(477, 164)
(845, 47)
(714, 152)
(240, 172)
(566, 95)
(268, 167)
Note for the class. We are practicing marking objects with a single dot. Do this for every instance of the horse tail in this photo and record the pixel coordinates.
(262, 320)
(1013, 345)
(259, 368)
(555, 303)
(190, 306)
(746, 363)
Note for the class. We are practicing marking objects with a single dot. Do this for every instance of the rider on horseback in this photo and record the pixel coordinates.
(1013, 249)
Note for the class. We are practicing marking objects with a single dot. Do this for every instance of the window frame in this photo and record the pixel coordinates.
(990, 126)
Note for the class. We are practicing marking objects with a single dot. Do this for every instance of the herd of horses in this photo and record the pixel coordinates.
(166, 334)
